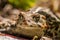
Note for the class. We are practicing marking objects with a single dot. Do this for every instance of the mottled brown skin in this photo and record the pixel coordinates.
(25, 27)
(31, 24)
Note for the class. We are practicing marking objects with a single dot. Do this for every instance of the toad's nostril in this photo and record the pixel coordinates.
(0, 27)
(39, 26)
(3, 24)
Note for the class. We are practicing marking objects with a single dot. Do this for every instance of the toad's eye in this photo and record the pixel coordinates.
(36, 18)
(21, 17)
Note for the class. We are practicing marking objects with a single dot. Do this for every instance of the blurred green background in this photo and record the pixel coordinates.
(22, 4)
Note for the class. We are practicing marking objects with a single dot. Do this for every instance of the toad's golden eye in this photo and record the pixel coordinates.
(21, 17)
(36, 18)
